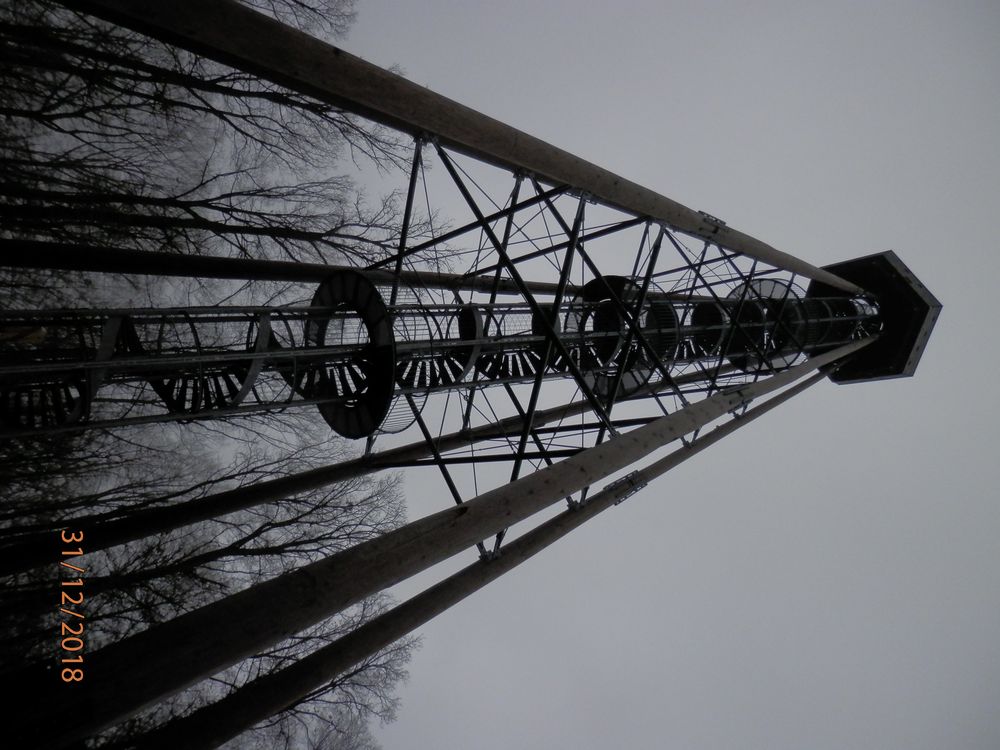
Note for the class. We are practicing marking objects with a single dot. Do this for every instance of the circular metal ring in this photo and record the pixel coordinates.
(363, 384)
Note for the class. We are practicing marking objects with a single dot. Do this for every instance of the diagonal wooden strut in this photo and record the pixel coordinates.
(233, 34)
(266, 696)
(154, 664)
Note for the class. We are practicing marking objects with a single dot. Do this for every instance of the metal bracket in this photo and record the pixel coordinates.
(715, 221)
(632, 483)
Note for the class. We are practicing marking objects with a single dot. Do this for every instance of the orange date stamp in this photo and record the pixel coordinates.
(71, 597)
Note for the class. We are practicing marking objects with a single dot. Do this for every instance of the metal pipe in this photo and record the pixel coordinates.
(79, 257)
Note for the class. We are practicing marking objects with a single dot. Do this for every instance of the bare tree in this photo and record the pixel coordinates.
(131, 587)
(111, 139)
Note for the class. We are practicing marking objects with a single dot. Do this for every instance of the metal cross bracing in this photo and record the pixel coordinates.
(549, 297)
(642, 311)
(565, 327)
(588, 291)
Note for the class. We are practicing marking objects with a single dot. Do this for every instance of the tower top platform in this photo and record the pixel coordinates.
(907, 308)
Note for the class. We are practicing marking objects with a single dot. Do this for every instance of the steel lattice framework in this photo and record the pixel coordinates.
(565, 325)
(666, 318)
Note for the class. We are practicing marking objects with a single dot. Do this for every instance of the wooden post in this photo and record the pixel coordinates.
(32, 550)
(166, 658)
(232, 33)
(255, 702)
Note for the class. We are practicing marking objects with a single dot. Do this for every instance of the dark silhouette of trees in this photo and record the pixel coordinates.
(111, 139)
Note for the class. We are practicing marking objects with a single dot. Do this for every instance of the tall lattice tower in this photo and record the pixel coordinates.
(567, 326)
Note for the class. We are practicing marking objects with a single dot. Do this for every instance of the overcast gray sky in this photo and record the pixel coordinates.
(829, 578)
